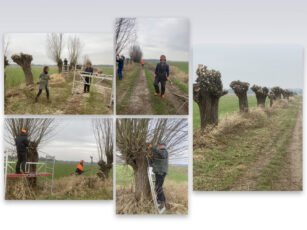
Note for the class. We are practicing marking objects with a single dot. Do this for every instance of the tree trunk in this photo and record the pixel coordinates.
(260, 100)
(243, 103)
(271, 102)
(104, 170)
(208, 108)
(60, 66)
(142, 187)
(24, 61)
(32, 156)
(28, 74)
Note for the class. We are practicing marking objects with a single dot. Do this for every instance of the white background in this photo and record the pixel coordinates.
(218, 22)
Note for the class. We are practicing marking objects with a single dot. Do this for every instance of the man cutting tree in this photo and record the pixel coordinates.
(21, 144)
(159, 160)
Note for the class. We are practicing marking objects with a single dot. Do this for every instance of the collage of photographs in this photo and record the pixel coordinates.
(106, 116)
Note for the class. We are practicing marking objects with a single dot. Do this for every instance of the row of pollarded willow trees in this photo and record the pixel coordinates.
(209, 88)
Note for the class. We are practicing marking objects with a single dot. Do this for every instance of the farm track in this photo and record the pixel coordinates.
(139, 101)
(291, 176)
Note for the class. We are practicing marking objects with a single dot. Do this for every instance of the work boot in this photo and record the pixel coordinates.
(156, 94)
(163, 96)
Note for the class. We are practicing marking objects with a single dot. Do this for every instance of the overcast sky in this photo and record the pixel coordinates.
(98, 46)
(168, 36)
(263, 65)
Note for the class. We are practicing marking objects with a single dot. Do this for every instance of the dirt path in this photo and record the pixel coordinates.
(291, 176)
(139, 102)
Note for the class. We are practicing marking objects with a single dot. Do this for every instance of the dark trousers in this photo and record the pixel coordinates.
(21, 160)
(156, 85)
(120, 74)
(159, 186)
(40, 92)
(87, 85)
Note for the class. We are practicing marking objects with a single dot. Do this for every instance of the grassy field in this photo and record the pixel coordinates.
(124, 175)
(228, 105)
(183, 66)
(259, 138)
(15, 75)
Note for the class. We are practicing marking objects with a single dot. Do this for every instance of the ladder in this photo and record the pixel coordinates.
(44, 169)
(152, 179)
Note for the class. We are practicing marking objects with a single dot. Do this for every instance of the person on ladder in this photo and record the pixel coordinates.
(22, 143)
(161, 76)
(159, 161)
(79, 169)
(89, 69)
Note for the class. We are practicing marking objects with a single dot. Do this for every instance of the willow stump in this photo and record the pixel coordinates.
(206, 93)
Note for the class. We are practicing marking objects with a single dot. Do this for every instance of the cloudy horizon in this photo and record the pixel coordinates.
(168, 36)
(97, 46)
(264, 65)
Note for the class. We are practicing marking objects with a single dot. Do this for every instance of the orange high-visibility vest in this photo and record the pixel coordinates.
(80, 167)
(143, 62)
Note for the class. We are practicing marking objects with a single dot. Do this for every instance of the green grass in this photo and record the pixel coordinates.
(159, 106)
(219, 164)
(228, 105)
(126, 86)
(124, 175)
(107, 70)
(183, 66)
(15, 75)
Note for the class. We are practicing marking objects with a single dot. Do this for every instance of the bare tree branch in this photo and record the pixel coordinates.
(55, 45)
(125, 33)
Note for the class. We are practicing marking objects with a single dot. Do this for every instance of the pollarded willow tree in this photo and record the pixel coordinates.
(74, 46)
(261, 94)
(277, 92)
(286, 94)
(24, 61)
(39, 130)
(103, 131)
(206, 93)
(240, 88)
(133, 136)
(125, 33)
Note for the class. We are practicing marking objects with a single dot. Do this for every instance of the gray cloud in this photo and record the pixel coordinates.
(98, 46)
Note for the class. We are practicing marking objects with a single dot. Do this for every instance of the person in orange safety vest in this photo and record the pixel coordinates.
(79, 169)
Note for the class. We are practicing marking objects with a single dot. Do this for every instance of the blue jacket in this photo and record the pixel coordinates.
(120, 63)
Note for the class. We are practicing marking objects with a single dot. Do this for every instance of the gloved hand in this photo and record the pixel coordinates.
(167, 78)
(155, 75)
(150, 146)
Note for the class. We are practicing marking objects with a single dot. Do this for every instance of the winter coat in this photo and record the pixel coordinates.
(162, 71)
(89, 70)
(22, 143)
(120, 63)
(159, 160)
(43, 80)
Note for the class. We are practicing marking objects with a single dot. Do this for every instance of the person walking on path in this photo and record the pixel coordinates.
(161, 76)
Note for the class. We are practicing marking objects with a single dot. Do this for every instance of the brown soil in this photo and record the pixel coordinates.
(291, 176)
(139, 102)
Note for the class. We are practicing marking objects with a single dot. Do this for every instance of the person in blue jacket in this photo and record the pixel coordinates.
(121, 61)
